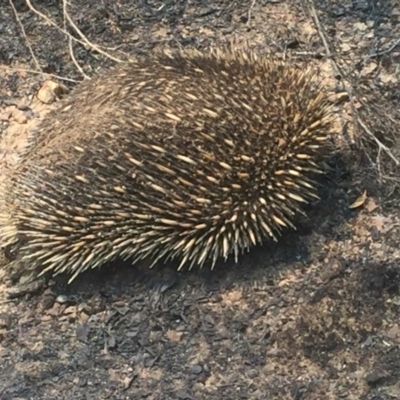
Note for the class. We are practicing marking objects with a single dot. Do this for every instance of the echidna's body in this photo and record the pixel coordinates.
(188, 156)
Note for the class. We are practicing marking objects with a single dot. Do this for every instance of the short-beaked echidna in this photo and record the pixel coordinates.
(189, 156)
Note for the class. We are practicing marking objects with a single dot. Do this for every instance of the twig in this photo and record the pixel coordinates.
(250, 10)
(378, 142)
(84, 38)
(322, 36)
(71, 50)
(30, 71)
(25, 37)
(309, 53)
(383, 52)
(7, 302)
(84, 42)
(354, 111)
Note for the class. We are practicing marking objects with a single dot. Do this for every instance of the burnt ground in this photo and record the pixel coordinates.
(313, 317)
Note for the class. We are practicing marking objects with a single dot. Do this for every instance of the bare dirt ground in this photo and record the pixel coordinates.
(314, 317)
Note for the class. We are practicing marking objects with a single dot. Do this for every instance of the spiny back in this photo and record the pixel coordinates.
(188, 155)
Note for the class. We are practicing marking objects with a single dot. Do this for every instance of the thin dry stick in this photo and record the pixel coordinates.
(250, 10)
(84, 38)
(30, 71)
(381, 146)
(71, 50)
(25, 37)
(83, 42)
(383, 52)
(322, 36)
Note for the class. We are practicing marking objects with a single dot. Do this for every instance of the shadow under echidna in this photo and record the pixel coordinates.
(185, 156)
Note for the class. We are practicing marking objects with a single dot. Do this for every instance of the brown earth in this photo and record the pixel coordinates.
(314, 317)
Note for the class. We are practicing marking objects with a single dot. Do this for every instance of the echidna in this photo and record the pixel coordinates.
(188, 156)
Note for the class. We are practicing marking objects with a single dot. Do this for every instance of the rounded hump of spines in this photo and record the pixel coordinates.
(190, 156)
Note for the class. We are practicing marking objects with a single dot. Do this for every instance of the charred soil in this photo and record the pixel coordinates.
(315, 316)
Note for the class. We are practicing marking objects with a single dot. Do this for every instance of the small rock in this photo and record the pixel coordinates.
(345, 47)
(24, 107)
(51, 91)
(80, 381)
(112, 342)
(275, 353)
(332, 270)
(128, 381)
(183, 395)
(369, 70)
(70, 310)
(375, 234)
(394, 333)
(83, 317)
(360, 26)
(369, 341)
(252, 373)
(174, 336)
(62, 299)
(132, 334)
(47, 300)
(5, 115)
(24, 289)
(22, 119)
(5, 321)
(375, 377)
(318, 295)
(82, 332)
(196, 369)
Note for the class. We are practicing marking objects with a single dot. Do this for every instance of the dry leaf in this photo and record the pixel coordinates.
(360, 201)
(394, 333)
(162, 32)
(5, 115)
(206, 31)
(383, 224)
(371, 205)
(174, 336)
